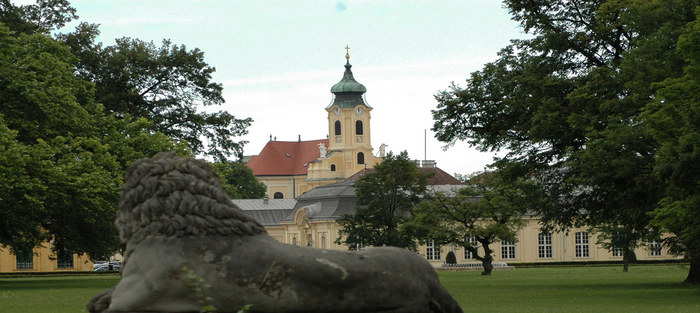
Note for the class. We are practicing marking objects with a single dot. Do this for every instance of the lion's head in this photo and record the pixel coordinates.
(173, 196)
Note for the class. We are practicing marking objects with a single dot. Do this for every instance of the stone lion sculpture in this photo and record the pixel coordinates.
(189, 249)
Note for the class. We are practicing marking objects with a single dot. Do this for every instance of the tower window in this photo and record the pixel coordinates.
(332, 167)
(360, 158)
(337, 128)
(278, 195)
(358, 127)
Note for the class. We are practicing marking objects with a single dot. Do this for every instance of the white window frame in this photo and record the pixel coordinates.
(655, 248)
(432, 252)
(582, 244)
(468, 255)
(617, 252)
(507, 250)
(544, 246)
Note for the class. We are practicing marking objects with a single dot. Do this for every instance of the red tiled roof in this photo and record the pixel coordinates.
(439, 176)
(285, 157)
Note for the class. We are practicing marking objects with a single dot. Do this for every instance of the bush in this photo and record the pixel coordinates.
(451, 258)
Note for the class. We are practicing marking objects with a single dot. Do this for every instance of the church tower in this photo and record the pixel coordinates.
(349, 116)
(349, 133)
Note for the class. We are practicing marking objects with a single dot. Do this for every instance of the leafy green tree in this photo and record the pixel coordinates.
(674, 118)
(70, 179)
(487, 210)
(566, 106)
(165, 84)
(238, 180)
(386, 199)
(41, 17)
(19, 188)
(63, 157)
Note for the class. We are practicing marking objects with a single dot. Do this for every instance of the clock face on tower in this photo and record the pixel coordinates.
(336, 111)
(358, 111)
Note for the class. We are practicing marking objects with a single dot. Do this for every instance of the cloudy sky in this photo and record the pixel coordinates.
(278, 59)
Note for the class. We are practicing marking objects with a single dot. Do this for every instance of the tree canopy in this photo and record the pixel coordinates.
(673, 117)
(484, 212)
(238, 180)
(386, 199)
(166, 84)
(65, 143)
(566, 104)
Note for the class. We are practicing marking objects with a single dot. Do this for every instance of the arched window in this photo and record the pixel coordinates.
(337, 128)
(332, 167)
(358, 127)
(360, 158)
(278, 195)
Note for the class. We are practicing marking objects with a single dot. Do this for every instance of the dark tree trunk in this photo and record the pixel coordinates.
(627, 257)
(486, 262)
(694, 272)
(488, 267)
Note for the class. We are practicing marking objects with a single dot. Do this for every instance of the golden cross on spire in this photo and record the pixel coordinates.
(347, 52)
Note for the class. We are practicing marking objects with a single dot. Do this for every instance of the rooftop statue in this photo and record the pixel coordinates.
(189, 249)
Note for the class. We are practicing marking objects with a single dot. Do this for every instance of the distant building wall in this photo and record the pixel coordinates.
(529, 248)
(43, 260)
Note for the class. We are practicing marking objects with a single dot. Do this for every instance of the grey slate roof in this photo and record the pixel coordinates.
(327, 201)
(269, 212)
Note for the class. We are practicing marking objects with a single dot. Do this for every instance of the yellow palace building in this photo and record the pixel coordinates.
(43, 259)
(310, 185)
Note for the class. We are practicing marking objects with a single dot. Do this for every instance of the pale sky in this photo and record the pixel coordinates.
(277, 60)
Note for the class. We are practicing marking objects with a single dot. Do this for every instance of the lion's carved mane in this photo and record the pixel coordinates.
(172, 196)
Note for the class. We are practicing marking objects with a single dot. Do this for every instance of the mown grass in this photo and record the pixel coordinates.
(649, 288)
(51, 294)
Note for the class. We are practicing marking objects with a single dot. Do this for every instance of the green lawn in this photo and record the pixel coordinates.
(51, 294)
(649, 288)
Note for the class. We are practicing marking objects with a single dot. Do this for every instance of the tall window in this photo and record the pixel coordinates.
(358, 128)
(64, 258)
(360, 158)
(544, 245)
(337, 128)
(582, 247)
(25, 259)
(655, 248)
(507, 249)
(432, 252)
(323, 241)
(332, 167)
(278, 195)
(468, 255)
(338, 138)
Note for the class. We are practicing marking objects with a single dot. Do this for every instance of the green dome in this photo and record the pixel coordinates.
(348, 84)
